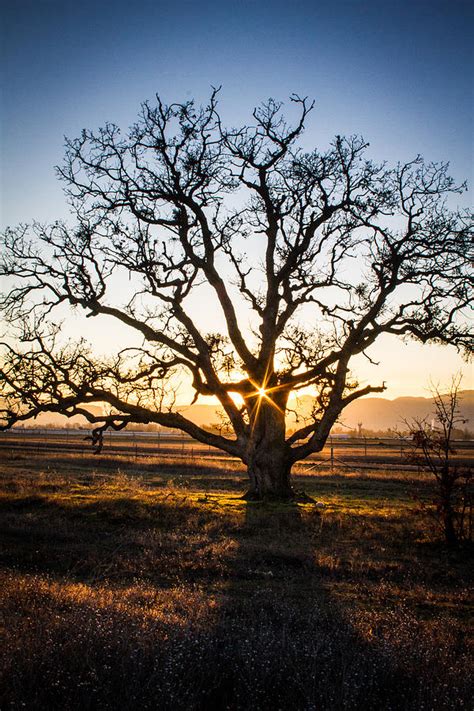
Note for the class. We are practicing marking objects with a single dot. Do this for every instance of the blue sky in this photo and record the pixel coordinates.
(400, 73)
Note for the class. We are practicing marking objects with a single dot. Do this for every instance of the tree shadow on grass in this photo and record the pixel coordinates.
(284, 641)
(231, 613)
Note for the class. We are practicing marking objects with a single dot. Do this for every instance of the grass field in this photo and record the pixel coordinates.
(131, 585)
(355, 451)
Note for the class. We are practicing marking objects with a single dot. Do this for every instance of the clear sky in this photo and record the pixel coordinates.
(400, 73)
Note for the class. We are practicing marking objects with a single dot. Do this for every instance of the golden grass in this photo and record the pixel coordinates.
(155, 589)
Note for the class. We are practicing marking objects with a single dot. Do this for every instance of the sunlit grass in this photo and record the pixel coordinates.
(155, 589)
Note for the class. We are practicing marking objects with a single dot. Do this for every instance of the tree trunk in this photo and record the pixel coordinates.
(268, 463)
(449, 531)
(448, 523)
(269, 476)
(447, 511)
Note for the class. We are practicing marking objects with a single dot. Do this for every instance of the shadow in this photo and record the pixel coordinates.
(298, 633)
(284, 641)
(186, 604)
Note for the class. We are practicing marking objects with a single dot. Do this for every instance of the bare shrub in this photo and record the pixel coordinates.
(433, 450)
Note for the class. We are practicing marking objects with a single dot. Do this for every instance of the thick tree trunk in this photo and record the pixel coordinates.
(449, 530)
(269, 476)
(268, 462)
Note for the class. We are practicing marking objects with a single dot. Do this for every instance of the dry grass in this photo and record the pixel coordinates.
(159, 588)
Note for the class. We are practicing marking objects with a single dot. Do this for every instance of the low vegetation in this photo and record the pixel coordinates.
(434, 450)
(123, 589)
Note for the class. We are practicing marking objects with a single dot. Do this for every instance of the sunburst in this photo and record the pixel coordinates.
(261, 393)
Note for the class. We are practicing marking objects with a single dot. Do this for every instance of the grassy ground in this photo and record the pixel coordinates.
(130, 587)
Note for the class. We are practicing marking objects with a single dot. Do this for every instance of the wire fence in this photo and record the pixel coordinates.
(354, 452)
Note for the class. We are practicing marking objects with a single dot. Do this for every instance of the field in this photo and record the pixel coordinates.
(134, 580)
(355, 452)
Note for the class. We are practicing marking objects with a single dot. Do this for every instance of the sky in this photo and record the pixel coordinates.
(399, 73)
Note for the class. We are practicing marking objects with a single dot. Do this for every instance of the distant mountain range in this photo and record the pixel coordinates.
(52, 419)
(373, 413)
(381, 414)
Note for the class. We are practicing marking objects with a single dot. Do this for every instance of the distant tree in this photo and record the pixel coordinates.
(310, 257)
(434, 452)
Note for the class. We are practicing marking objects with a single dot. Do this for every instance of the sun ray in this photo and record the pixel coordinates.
(261, 392)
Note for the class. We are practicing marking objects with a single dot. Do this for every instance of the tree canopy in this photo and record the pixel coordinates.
(310, 257)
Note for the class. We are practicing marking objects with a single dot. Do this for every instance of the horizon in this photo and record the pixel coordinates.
(354, 415)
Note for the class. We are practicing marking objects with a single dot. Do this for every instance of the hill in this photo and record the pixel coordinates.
(53, 419)
(380, 413)
(374, 413)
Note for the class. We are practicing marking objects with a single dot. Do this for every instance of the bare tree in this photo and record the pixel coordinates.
(434, 451)
(349, 250)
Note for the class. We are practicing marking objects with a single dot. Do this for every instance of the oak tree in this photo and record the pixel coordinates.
(310, 256)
